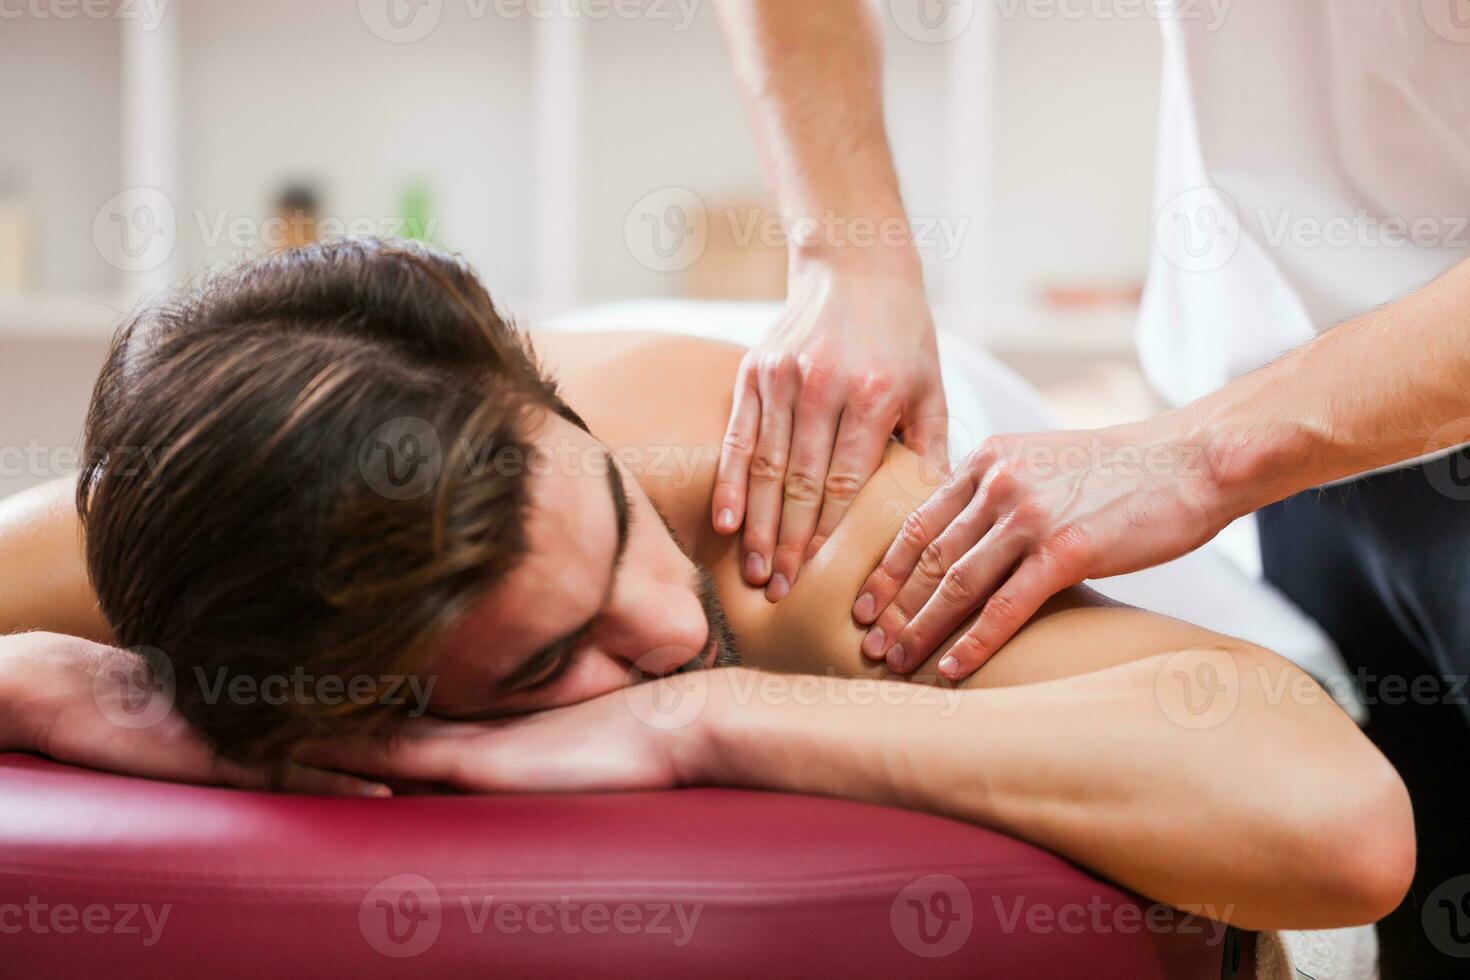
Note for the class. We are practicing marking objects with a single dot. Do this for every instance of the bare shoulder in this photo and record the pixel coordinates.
(634, 386)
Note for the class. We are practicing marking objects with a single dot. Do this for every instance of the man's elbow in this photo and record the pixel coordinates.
(1374, 852)
(1345, 811)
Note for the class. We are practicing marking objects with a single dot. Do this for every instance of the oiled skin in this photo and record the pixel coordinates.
(648, 394)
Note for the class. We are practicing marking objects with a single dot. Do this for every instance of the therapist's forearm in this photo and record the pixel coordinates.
(1385, 387)
(1250, 819)
(811, 75)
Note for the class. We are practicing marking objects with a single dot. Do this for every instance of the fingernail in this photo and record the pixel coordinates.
(949, 665)
(873, 643)
(380, 791)
(895, 658)
(864, 608)
(778, 588)
(725, 520)
(755, 567)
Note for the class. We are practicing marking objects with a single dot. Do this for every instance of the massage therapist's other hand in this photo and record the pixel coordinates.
(92, 705)
(1026, 516)
(643, 737)
(852, 359)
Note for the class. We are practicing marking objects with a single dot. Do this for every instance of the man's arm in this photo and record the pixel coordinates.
(43, 569)
(1254, 800)
(853, 356)
(1028, 515)
(1220, 780)
(87, 704)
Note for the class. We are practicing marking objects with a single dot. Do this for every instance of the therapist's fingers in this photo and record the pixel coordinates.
(965, 583)
(777, 380)
(955, 573)
(817, 408)
(862, 437)
(919, 529)
(1034, 581)
(727, 504)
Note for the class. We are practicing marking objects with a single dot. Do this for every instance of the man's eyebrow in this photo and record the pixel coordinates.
(559, 649)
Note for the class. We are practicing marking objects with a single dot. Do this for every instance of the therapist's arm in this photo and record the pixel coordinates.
(853, 357)
(1029, 515)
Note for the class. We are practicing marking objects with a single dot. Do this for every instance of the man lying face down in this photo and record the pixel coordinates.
(359, 469)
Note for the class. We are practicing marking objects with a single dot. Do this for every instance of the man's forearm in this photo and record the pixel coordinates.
(1250, 818)
(1386, 387)
(17, 728)
(811, 74)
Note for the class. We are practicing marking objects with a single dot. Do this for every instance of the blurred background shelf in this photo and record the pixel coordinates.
(1024, 148)
(1028, 141)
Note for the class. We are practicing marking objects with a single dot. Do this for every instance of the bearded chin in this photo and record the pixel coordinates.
(727, 647)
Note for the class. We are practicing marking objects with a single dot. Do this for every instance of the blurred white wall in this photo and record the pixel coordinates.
(59, 130)
(1077, 102)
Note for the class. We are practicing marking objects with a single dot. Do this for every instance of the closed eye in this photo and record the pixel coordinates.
(568, 648)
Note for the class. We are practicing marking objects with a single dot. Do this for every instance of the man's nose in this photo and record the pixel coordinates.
(656, 627)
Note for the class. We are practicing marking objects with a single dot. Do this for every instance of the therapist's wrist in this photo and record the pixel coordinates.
(877, 246)
(1247, 459)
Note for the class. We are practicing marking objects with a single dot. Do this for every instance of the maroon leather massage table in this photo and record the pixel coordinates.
(107, 876)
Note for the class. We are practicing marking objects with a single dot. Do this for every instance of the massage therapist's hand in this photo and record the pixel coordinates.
(1024, 517)
(91, 705)
(852, 358)
(642, 737)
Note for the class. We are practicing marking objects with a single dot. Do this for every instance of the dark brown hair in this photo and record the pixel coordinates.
(289, 475)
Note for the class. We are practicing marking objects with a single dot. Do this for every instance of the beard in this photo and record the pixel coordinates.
(727, 645)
